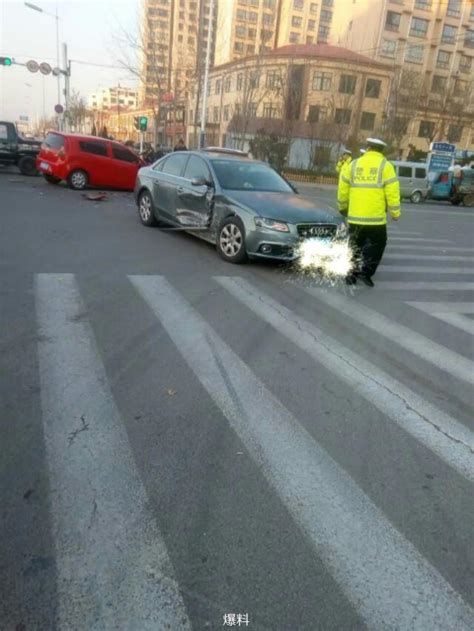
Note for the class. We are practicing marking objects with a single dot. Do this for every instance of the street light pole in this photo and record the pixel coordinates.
(35, 7)
(202, 134)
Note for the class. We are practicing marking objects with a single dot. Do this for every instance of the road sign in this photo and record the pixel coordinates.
(443, 147)
(59, 109)
(23, 118)
(441, 156)
(32, 65)
(45, 68)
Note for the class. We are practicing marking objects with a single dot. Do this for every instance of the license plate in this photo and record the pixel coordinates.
(44, 166)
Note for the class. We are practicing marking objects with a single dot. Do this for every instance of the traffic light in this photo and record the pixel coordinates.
(143, 123)
(5, 61)
(136, 122)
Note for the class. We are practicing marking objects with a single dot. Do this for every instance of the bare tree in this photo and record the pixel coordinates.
(78, 112)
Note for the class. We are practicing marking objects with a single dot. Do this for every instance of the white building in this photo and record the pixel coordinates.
(114, 99)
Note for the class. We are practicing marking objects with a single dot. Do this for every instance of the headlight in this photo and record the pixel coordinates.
(342, 231)
(271, 224)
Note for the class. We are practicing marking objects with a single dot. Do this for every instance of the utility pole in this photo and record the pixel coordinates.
(67, 86)
(202, 135)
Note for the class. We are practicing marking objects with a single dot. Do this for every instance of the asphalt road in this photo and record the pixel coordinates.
(184, 439)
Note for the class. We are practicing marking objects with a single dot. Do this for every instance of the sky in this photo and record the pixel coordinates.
(88, 28)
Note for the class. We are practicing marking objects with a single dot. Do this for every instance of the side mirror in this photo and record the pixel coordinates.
(200, 181)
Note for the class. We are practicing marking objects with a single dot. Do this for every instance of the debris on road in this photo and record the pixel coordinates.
(95, 197)
(171, 392)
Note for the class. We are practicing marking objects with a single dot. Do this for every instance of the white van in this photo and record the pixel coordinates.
(413, 178)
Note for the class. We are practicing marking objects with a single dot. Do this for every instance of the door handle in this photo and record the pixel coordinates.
(180, 190)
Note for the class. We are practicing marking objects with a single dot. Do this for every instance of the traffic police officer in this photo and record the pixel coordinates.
(345, 158)
(368, 190)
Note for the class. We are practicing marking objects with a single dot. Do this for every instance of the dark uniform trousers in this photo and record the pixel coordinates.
(368, 245)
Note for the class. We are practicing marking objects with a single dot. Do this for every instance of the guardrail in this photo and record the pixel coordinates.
(309, 177)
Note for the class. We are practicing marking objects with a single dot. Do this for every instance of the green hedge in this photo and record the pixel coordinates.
(303, 175)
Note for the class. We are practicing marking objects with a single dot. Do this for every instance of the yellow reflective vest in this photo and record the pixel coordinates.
(341, 162)
(369, 189)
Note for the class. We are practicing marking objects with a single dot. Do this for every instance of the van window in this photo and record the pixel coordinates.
(119, 153)
(54, 141)
(404, 171)
(93, 146)
(421, 173)
(175, 163)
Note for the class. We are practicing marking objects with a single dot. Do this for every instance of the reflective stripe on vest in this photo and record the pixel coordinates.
(356, 218)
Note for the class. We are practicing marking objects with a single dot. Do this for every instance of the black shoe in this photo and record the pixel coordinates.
(367, 281)
(351, 280)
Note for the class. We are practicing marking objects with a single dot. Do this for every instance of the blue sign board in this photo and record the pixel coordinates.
(443, 147)
(440, 162)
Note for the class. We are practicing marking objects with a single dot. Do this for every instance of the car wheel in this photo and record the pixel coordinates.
(231, 240)
(51, 179)
(416, 197)
(27, 166)
(78, 180)
(145, 209)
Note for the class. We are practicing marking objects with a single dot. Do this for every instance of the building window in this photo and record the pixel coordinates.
(252, 33)
(238, 47)
(238, 109)
(460, 87)
(449, 34)
(322, 81)
(372, 88)
(273, 79)
(311, 25)
(269, 4)
(388, 48)
(471, 14)
(296, 21)
(465, 64)
(419, 27)
(218, 86)
(325, 16)
(469, 39)
(444, 57)
(455, 133)
(367, 121)
(240, 31)
(343, 116)
(309, 39)
(438, 85)
(254, 80)
(252, 108)
(426, 129)
(267, 19)
(250, 49)
(240, 82)
(313, 7)
(191, 41)
(392, 23)
(454, 8)
(269, 110)
(423, 4)
(414, 53)
(216, 114)
(226, 112)
(294, 38)
(347, 84)
(252, 17)
(316, 113)
(323, 33)
(228, 84)
(328, 3)
(298, 5)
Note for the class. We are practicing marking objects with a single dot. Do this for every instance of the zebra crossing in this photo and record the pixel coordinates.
(102, 527)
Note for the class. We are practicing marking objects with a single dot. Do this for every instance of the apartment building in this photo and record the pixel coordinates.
(114, 98)
(309, 92)
(433, 39)
(175, 35)
(247, 27)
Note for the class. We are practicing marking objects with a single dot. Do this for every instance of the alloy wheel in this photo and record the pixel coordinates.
(231, 240)
(145, 208)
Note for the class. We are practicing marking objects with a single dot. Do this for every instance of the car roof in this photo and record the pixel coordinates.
(81, 136)
(219, 155)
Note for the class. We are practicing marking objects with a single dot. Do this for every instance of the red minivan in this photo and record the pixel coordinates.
(87, 161)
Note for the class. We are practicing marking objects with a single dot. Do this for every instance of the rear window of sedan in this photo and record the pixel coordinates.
(249, 176)
(54, 141)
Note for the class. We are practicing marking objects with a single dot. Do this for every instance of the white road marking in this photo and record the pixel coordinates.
(407, 233)
(428, 257)
(450, 312)
(426, 269)
(417, 239)
(384, 576)
(432, 427)
(436, 354)
(426, 248)
(422, 285)
(442, 215)
(113, 567)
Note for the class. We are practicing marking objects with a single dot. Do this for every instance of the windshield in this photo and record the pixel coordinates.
(249, 176)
